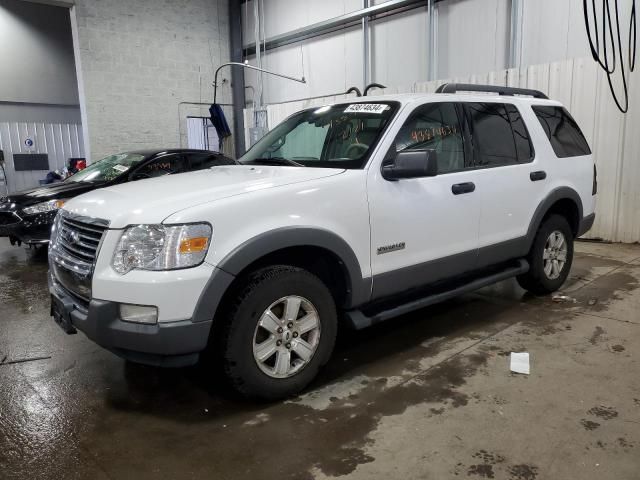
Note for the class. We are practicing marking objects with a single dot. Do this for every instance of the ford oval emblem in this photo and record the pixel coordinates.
(71, 237)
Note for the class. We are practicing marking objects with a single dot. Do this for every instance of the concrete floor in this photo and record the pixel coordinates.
(429, 396)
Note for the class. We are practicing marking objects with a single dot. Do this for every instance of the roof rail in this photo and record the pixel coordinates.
(469, 87)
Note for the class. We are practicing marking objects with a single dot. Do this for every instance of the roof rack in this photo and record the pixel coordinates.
(469, 87)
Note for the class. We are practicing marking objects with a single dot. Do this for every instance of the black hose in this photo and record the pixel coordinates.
(370, 86)
(607, 24)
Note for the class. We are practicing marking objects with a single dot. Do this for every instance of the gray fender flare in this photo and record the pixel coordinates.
(359, 288)
(560, 193)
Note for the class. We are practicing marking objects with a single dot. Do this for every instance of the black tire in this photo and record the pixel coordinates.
(536, 280)
(261, 289)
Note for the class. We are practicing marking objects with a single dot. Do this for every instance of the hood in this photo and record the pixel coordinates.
(54, 191)
(153, 200)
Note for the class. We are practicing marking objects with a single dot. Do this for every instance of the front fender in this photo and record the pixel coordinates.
(359, 288)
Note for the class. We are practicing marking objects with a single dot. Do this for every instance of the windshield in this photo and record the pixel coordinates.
(107, 168)
(337, 136)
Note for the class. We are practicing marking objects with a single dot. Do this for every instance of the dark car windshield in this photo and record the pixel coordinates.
(337, 136)
(107, 168)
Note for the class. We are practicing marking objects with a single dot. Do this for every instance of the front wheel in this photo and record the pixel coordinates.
(550, 257)
(280, 331)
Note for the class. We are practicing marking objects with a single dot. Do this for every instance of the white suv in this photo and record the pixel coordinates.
(355, 212)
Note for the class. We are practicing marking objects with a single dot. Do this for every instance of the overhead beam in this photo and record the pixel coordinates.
(347, 20)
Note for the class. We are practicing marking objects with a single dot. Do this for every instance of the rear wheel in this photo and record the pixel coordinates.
(280, 331)
(550, 257)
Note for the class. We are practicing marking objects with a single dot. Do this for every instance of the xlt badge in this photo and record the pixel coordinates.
(391, 248)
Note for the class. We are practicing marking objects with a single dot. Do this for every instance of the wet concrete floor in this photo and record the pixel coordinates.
(427, 396)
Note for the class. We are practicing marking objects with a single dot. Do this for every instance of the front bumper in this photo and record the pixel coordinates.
(171, 344)
(30, 229)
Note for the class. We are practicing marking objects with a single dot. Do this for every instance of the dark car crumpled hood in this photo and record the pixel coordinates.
(54, 191)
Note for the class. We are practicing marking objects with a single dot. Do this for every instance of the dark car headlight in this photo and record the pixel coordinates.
(44, 207)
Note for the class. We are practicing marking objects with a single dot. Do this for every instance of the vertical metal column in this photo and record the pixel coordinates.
(260, 122)
(432, 35)
(237, 75)
(256, 34)
(514, 59)
(366, 48)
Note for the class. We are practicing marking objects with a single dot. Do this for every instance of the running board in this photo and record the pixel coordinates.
(360, 320)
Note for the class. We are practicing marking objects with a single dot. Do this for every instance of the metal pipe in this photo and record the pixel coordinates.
(337, 23)
(351, 90)
(251, 67)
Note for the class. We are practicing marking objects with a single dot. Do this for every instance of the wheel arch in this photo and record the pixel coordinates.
(322, 252)
(564, 201)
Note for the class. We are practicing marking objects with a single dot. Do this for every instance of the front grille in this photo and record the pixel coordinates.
(8, 218)
(73, 250)
(78, 239)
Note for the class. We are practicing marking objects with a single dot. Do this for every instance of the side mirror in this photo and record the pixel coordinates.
(411, 164)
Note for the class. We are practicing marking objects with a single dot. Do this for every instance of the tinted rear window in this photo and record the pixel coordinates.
(493, 138)
(562, 131)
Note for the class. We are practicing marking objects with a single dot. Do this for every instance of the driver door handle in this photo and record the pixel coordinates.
(460, 188)
(537, 176)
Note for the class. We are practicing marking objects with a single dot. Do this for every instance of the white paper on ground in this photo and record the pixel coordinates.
(520, 362)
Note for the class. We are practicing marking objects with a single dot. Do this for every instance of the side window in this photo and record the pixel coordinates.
(562, 131)
(524, 148)
(165, 165)
(491, 133)
(435, 126)
(200, 161)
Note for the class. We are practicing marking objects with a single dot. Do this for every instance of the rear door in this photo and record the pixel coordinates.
(510, 181)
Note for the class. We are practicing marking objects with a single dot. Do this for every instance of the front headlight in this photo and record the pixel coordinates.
(161, 247)
(44, 207)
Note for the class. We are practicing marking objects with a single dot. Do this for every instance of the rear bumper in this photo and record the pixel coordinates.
(172, 344)
(585, 224)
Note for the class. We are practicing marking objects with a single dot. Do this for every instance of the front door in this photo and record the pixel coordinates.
(425, 229)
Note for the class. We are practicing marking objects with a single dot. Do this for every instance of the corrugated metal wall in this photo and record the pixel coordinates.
(583, 88)
(60, 141)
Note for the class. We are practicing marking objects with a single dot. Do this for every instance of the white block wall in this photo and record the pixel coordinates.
(138, 59)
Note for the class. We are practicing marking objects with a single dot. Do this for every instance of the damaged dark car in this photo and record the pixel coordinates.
(26, 217)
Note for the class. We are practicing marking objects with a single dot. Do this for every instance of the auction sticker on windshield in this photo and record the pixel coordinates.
(366, 108)
(120, 168)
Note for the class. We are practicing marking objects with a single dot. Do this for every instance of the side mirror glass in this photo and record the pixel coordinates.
(411, 164)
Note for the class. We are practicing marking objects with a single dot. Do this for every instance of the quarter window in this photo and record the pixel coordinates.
(435, 126)
(562, 131)
(524, 149)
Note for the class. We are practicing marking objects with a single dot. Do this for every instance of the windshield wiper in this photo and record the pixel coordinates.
(277, 161)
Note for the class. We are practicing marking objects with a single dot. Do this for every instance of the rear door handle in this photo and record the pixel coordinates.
(460, 188)
(540, 175)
